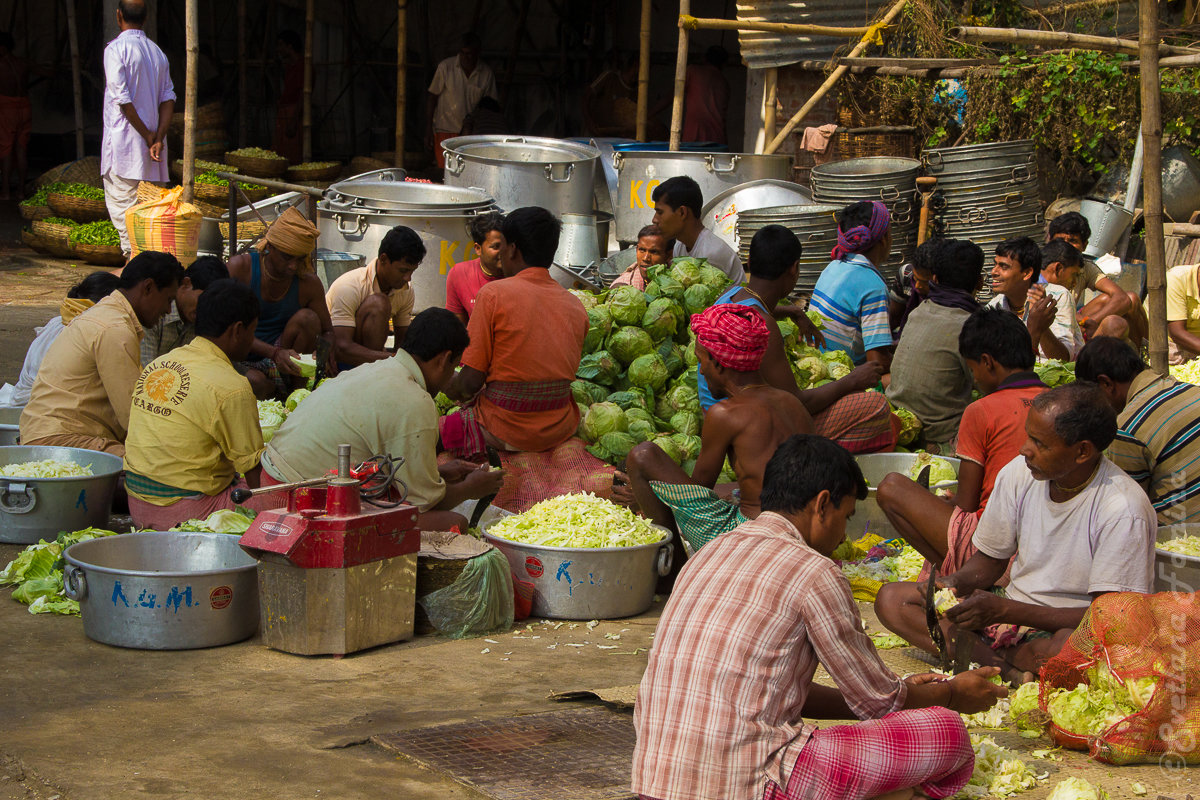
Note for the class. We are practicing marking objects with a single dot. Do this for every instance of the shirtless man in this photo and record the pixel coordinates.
(753, 419)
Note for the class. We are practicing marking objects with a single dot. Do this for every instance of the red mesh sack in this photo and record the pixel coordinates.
(1138, 636)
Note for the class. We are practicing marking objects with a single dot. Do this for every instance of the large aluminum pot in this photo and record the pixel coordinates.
(1175, 572)
(868, 516)
(992, 155)
(363, 212)
(517, 171)
(638, 173)
(40, 508)
(721, 212)
(10, 429)
(588, 582)
(164, 591)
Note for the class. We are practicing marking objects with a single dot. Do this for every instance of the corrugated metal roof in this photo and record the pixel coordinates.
(762, 50)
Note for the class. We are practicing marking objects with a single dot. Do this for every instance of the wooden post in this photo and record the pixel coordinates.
(786, 28)
(1152, 210)
(833, 78)
(681, 56)
(401, 74)
(241, 51)
(1079, 41)
(643, 96)
(306, 143)
(771, 92)
(192, 44)
(76, 81)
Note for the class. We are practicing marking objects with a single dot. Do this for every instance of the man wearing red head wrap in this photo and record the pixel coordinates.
(746, 428)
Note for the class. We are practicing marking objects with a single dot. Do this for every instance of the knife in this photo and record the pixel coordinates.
(931, 616)
(321, 356)
(484, 502)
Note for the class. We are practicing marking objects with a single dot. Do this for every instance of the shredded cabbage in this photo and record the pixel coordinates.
(271, 414)
(1076, 789)
(577, 520)
(909, 564)
(999, 772)
(888, 641)
(1184, 545)
(47, 468)
(944, 600)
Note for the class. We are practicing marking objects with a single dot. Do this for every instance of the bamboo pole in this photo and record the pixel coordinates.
(643, 96)
(76, 81)
(306, 142)
(787, 28)
(681, 56)
(834, 77)
(1152, 210)
(1079, 41)
(192, 45)
(241, 49)
(771, 91)
(401, 76)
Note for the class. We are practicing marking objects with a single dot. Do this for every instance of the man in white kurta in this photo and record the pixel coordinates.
(139, 101)
(459, 84)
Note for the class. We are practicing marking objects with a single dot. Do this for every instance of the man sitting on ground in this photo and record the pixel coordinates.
(1113, 312)
(850, 295)
(997, 349)
(527, 337)
(1157, 433)
(1015, 273)
(193, 425)
(386, 408)
(467, 278)
(1061, 267)
(178, 327)
(678, 203)
(292, 310)
(842, 410)
(724, 704)
(369, 303)
(1078, 525)
(929, 375)
(82, 392)
(80, 298)
(652, 248)
(750, 422)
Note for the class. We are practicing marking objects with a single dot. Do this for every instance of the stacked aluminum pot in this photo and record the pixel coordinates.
(814, 225)
(887, 178)
(986, 193)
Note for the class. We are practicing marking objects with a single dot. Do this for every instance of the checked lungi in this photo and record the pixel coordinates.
(860, 422)
(461, 432)
(700, 515)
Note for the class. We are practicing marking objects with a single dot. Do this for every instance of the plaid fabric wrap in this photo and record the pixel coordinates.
(461, 433)
(148, 487)
(529, 395)
(734, 335)
(700, 514)
(927, 748)
(166, 224)
(860, 422)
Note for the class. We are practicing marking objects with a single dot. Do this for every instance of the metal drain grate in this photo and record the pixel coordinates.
(583, 754)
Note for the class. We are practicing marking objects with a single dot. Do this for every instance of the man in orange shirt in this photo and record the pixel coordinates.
(526, 341)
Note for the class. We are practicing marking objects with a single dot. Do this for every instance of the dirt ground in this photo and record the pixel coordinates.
(82, 720)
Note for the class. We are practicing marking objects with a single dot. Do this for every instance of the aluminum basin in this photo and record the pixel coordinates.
(868, 516)
(1175, 572)
(41, 508)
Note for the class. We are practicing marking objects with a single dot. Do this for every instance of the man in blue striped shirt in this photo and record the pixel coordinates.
(850, 295)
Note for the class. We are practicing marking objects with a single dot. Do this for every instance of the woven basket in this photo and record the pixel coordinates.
(100, 254)
(258, 167)
(85, 170)
(209, 115)
(31, 213)
(220, 194)
(861, 145)
(35, 241)
(247, 229)
(210, 209)
(49, 230)
(77, 208)
(315, 173)
(148, 192)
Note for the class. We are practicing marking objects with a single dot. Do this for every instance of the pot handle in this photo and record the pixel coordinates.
(933, 159)
(710, 161)
(565, 178)
(1020, 173)
(18, 498)
(454, 162)
(666, 557)
(349, 230)
(617, 159)
(1014, 200)
(74, 583)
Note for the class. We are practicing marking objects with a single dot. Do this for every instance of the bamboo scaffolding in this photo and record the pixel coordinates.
(1079, 41)
(771, 93)
(401, 73)
(76, 82)
(643, 95)
(306, 141)
(1152, 210)
(241, 49)
(192, 45)
(789, 28)
(681, 56)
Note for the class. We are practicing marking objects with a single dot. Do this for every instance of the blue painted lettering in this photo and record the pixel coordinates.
(119, 594)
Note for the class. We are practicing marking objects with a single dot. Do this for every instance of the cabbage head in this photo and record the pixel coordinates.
(589, 299)
(613, 447)
(940, 469)
(790, 333)
(294, 399)
(599, 327)
(689, 443)
(603, 418)
(271, 414)
(672, 358)
(699, 297)
(689, 353)
(815, 318)
(1023, 708)
(714, 278)
(1053, 372)
(599, 367)
(671, 447)
(662, 319)
(838, 357)
(686, 422)
(627, 305)
(629, 398)
(641, 424)
(682, 397)
(686, 270)
(648, 372)
(666, 286)
(910, 426)
(838, 370)
(628, 343)
(813, 369)
(585, 392)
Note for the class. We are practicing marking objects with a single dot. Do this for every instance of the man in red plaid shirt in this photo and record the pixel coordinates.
(720, 713)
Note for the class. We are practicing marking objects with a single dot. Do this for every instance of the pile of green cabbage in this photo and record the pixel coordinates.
(37, 572)
(1188, 372)
(272, 413)
(1053, 372)
(577, 520)
(1092, 708)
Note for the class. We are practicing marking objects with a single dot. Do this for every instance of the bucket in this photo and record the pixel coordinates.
(164, 591)
(331, 265)
(868, 516)
(579, 241)
(1108, 222)
(588, 582)
(41, 508)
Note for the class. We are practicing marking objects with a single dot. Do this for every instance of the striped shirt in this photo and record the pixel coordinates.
(1158, 444)
(853, 300)
(752, 614)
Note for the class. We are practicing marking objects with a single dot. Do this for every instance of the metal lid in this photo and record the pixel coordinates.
(868, 167)
(519, 149)
(405, 196)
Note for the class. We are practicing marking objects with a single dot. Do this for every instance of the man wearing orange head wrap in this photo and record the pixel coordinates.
(294, 314)
(753, 420)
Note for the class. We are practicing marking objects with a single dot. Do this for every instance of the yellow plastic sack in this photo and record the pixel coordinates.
(167, 224)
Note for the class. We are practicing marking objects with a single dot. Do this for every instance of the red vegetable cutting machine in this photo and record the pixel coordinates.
(336, 576)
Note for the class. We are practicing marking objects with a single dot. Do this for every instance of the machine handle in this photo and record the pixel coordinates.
(349, 230)
(666, 557)
(710, 161)
(550, 174)
(74, 582)
(454, 162)
(18, 498)
(242, 495)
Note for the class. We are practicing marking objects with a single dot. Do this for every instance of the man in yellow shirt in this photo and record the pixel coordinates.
(1183, 313)
(194, 422)
(368, 303)
(81, 395)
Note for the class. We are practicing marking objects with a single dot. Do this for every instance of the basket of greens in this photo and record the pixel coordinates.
(78, 201)
(258, 162)
(97, 243)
